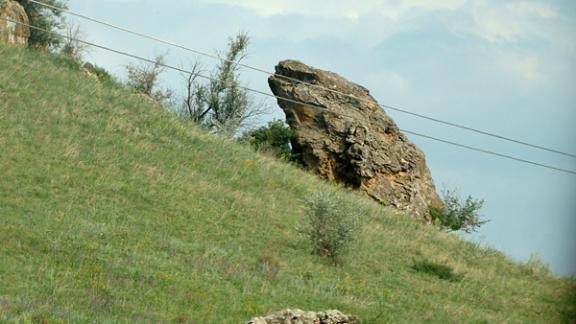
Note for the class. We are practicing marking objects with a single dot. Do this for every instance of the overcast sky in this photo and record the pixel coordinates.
(507, 67)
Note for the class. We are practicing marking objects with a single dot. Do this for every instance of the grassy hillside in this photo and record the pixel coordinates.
(111, 210)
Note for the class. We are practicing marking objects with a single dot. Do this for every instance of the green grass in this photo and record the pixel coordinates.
(113, 210)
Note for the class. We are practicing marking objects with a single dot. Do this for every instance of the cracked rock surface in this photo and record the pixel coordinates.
(350, 138)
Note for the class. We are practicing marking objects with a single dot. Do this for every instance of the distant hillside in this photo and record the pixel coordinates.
(113, 210)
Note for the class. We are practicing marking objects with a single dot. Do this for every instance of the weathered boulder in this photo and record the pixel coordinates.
(296, 316)
(350, 139)
(11, 31)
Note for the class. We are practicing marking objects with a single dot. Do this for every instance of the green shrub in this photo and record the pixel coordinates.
(330, 226)
(457, 214)
(274, 138)
(441, 271)
(47, 18)
(103, 75)
(145, 79)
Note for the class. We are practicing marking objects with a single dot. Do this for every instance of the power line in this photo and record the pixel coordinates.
(383, 106)
(487, 151)
(288, 99)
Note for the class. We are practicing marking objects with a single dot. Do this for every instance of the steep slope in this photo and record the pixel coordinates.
(113, 210)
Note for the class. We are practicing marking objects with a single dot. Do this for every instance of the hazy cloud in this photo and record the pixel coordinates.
(508, 22)
(492, 20)
(341, 8)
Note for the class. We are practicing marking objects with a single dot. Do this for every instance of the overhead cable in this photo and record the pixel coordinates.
(287, 99)
(488, 152)
(261, 70)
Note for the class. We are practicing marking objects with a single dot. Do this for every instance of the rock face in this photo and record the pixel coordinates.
(350, 139)
(10, 31)
(297, 316)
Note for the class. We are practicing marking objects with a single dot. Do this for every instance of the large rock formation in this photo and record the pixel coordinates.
(349, 138)
(296, 316)
(11, 31)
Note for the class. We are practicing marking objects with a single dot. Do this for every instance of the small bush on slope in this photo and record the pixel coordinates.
(441, 271)
(457, 214)
(273, 138)
(143, 78)
(330, 226)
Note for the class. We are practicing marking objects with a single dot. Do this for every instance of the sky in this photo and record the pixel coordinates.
(507, 67)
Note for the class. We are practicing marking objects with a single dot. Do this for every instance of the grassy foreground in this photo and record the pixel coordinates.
(112, 210)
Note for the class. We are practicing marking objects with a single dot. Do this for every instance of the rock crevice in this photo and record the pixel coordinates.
(345, 136)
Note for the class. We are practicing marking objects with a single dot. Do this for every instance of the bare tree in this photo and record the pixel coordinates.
(222, 103)
(193, 104)
(73, 45)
